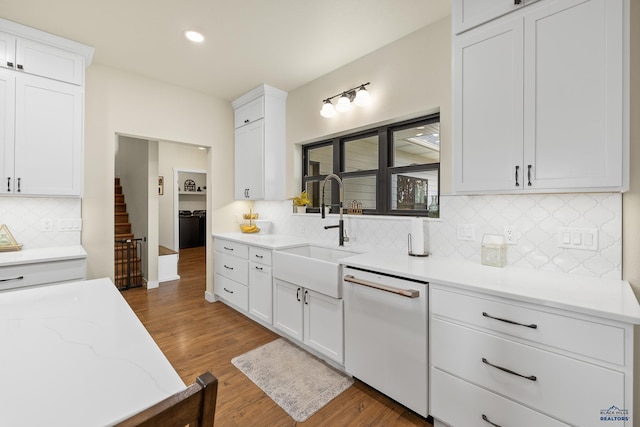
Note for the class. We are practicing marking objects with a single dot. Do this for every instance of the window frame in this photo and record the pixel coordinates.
(383, 173)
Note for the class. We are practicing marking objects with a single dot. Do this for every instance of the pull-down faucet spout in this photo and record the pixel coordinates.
(340, 225)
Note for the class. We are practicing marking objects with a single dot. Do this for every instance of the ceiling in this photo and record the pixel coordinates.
(284, 43)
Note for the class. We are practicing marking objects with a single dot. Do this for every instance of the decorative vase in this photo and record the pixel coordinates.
(434, 210)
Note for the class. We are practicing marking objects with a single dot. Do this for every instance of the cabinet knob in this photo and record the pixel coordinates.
(9, 64)
(246, 120)
(517, 2)
(20, 67)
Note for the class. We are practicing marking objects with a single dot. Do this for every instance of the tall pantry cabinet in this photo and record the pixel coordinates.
(540, 96)
(260, 166)
(41, 112)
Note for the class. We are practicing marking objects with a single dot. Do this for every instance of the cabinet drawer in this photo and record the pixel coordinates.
(555, 330)
(263, 256)
(232, 248)
(461, 404)
(17, 276)
(562, 387)
(250, 112)
(232, 292)
(232, 267)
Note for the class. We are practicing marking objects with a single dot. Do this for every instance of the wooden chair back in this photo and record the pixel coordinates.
(195, 407)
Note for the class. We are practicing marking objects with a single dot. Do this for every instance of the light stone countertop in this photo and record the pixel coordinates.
(605, 298)
(267, 241)
(37, 255)
(75, 354)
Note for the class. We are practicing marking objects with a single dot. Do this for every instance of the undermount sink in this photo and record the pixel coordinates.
(311, 266)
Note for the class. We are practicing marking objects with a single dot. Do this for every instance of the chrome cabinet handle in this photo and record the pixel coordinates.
(529, 175)
(532, 325)
(227, 290)
(227, 267)
(509, 371)
(517, 169)
(485, 418)
(409, 293)
(12, 279)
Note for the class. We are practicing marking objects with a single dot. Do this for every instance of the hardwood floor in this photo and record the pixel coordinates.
(198, 336)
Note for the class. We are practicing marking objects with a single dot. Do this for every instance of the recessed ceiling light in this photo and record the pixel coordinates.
(194, 36)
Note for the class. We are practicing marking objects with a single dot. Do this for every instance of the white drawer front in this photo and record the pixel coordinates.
(263, 256)
(234, 268)
(17, 276)
(232, 248)
(563, 332)
(565, 388)
(231, 291)
(461, 404)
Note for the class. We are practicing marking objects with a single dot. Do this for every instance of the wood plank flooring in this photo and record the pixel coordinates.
(198, 336)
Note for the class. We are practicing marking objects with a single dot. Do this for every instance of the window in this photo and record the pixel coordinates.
(388, 170)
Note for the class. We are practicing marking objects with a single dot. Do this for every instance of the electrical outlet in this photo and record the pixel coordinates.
(46, 224)
(510, 234)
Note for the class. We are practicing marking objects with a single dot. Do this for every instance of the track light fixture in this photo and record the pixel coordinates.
(357, 95)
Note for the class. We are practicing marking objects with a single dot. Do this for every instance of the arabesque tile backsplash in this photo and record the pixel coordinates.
(23, 216)
(537, 218)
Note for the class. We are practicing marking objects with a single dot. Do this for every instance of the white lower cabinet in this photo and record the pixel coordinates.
(309, 317)
(516, 363)
(260, 286)
(231, 277)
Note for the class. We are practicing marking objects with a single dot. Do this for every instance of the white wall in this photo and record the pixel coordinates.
(119, 102)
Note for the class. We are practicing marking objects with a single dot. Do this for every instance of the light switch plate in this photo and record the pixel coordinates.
(578, 238)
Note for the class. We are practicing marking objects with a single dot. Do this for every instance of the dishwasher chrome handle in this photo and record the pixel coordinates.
(409, 293)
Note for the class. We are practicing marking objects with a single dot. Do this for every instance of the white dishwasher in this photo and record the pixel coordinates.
(386, 335)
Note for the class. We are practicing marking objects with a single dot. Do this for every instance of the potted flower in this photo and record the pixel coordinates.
(300, 202)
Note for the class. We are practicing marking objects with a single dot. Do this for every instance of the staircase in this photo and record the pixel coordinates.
(127, 250)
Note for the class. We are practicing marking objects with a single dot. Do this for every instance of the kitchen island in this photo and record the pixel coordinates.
(75, 354)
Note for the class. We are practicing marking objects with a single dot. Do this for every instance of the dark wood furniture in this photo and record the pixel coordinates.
(195, 407)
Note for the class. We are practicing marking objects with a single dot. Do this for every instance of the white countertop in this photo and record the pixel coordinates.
(268, 241)
(30, 256)
(75, 354)
(607, 298)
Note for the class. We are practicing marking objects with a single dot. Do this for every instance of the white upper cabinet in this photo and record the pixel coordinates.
(260, 166)
(539, 100)
(41, 112)
(470, 13)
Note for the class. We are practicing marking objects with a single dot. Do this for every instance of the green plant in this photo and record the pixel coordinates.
(301, 200)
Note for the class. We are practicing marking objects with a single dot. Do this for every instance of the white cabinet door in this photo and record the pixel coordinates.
(48, 137)
(323, 324)
(48, 61)
(249, 161)
(7, 120)
(7, 51)
(260, 292)
(488, 108)
(470, 13)
(574, 94)
(250, 112)
(287, 308)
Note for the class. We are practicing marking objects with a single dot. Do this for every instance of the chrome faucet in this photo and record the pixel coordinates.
(343, 237)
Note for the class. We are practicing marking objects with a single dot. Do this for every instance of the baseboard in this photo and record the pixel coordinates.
(168, 279)
(210, 297)
(152, 284)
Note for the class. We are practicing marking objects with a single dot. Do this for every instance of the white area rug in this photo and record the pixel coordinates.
(297, 381)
